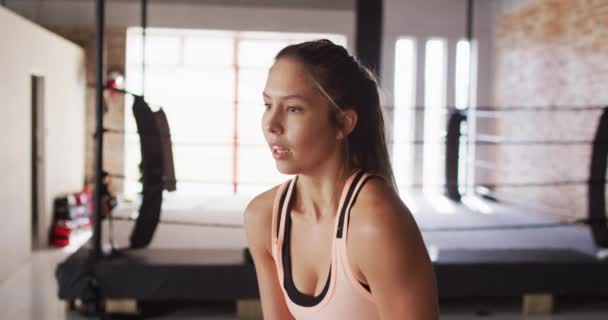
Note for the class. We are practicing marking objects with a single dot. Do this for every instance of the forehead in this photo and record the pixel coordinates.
(288, 77)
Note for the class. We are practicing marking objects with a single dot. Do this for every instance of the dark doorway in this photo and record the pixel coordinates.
(37, 162)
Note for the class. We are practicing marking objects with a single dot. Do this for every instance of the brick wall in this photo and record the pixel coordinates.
(550, 53)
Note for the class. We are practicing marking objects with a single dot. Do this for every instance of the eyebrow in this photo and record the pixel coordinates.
(291, 96)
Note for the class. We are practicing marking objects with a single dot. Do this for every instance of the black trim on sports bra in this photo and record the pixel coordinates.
(294, 294)
(346, 202)
(369, 177)
(281, 202)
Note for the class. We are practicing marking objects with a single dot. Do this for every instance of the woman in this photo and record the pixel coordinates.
(335, 242)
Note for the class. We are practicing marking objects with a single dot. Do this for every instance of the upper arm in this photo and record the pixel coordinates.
(390, 252)
(258, 224)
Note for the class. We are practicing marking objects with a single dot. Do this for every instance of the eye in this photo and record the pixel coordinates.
(267, 106)
(294, 109)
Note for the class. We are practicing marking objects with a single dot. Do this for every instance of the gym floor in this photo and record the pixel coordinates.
(31, 293)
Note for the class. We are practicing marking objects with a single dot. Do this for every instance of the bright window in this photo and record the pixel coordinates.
(462, 91)
(209, 83)
(463, 80)
(434, 77)
(405, 75)
(434, 117)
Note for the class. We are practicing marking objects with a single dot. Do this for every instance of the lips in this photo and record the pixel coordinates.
(279, 151)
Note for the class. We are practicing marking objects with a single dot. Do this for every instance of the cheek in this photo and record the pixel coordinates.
(312, 136)
(263, 125)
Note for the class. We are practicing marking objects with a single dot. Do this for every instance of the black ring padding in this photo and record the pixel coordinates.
(477, 141)
(187, 223)
(559, 224)
(119, 176)
(455, 120)
(564, 108)
(542, 108)
(509, 185)
(117, 131)
(123, 177)
(124, 132)
(485, 141)
(435, 229)
(176, 142)
(489, 142)
(597, 189)
(543, 184)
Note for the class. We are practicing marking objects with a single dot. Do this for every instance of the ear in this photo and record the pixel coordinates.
(349, 119)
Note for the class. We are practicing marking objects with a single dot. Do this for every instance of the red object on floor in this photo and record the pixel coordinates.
(61, 241)
(61, 231)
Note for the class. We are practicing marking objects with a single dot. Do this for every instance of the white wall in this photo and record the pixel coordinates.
(27, 50)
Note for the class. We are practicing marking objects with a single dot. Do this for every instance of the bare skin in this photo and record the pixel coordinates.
(384, 246)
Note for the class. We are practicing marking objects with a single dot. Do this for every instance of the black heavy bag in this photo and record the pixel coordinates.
(168, 177)
(597, 183)
(152, 175)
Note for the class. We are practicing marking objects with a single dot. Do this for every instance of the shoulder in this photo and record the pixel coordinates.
(377, 206)
(258, 219)
(388, 249)
(379, 218)
(260, 203)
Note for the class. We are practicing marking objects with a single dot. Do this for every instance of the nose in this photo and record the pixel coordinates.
(272, 122)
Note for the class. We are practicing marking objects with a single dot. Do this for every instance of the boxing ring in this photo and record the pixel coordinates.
(479, 246)
(194, 249)
(197, 253)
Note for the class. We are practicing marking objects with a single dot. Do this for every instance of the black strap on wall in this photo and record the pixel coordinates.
(597, 183)
(369, 33)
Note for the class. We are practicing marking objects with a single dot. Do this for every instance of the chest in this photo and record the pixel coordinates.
(311, 255)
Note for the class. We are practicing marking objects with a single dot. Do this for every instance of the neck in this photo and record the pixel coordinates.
(318, 193)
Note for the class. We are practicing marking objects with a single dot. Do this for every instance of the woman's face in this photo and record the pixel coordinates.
(296, 122)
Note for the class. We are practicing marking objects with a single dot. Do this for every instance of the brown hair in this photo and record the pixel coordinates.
(348, 85)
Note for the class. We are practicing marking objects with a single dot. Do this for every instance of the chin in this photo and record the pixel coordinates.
(287, 168)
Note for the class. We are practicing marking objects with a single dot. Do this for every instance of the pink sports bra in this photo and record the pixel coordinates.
(343, 297)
